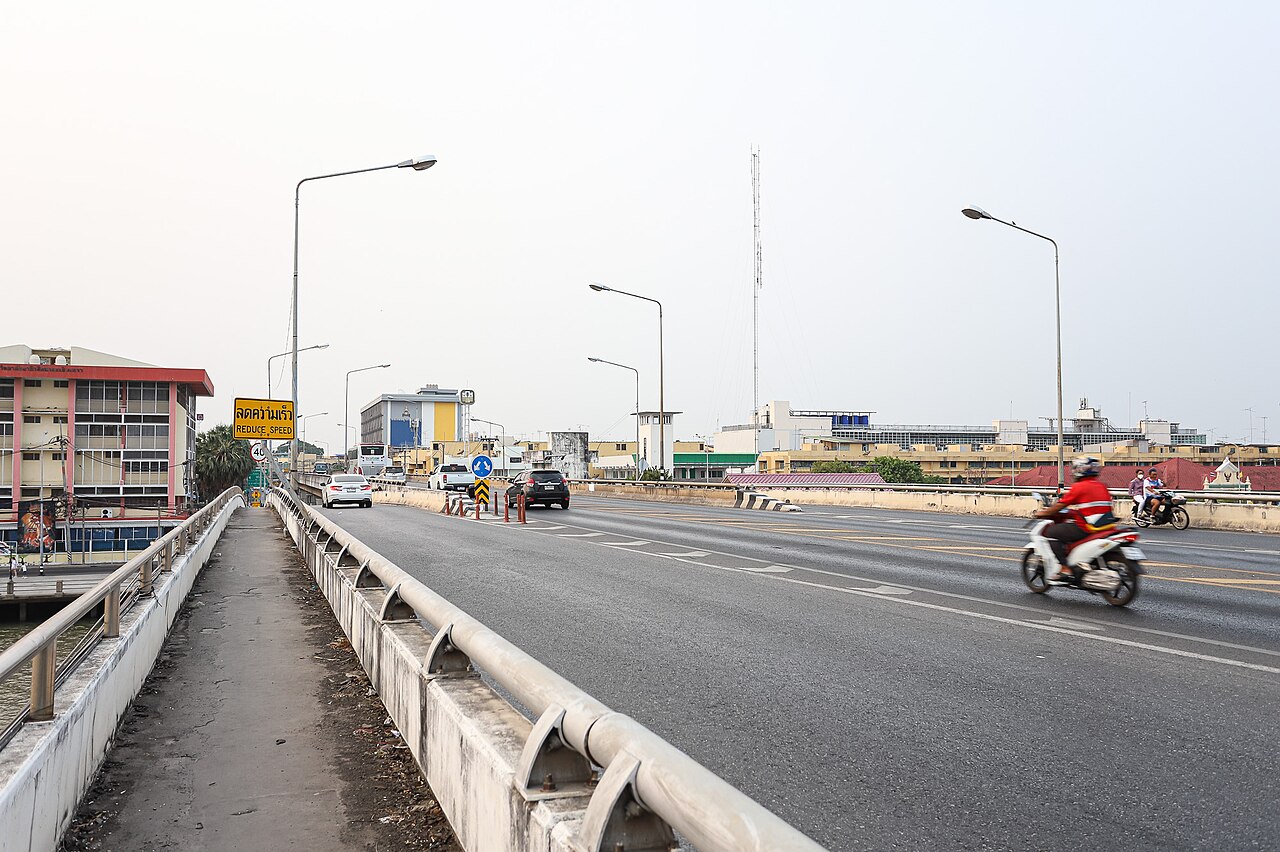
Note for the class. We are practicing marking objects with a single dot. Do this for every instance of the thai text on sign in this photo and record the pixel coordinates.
(263, 419)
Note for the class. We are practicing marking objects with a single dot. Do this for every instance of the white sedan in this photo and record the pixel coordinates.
(347, 488)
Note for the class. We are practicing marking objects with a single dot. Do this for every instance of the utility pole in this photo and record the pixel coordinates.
(755, 297)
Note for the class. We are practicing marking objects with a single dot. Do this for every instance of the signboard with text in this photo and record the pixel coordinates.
(263, 419)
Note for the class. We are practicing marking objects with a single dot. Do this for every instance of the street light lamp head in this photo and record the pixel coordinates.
(599, 288)
(418, 164)
(976, 213)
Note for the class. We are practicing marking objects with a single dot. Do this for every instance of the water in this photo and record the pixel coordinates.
(15, 690)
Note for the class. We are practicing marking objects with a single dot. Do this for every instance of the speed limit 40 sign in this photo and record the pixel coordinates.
(258, 451)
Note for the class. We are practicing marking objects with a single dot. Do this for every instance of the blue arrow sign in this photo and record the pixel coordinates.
(482, 466)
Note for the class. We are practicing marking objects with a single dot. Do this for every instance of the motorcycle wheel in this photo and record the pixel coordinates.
(1127, 591)
(1180, 520)
(1139, 520)
(1033, 572)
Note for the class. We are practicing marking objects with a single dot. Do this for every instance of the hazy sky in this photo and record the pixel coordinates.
(151, 151)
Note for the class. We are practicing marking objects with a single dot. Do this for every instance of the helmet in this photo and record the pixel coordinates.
(1085, 466)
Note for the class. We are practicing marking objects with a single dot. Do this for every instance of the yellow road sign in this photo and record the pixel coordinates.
(259, 419)
(482, 491)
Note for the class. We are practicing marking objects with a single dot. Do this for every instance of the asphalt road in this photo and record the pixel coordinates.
(883, 680)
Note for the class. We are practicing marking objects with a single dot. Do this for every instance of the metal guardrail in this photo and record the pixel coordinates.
(1008, 490)
(640, 768)
(117, 593)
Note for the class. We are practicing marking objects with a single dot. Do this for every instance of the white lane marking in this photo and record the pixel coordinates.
(553, 527)
(690, 554)
(1033, 625)
(768, 569)
(886, 590)
(1167, 634)
(635, 543)
(1071, 625)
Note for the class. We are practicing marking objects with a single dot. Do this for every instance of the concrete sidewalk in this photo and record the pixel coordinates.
(244, 736)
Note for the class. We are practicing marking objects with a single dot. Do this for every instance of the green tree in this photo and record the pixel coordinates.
(834, 467)
(654, 474)
(896, 470)
(221, 461)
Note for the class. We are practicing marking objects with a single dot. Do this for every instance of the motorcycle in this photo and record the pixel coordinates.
(1107, 563)
(1172, 511)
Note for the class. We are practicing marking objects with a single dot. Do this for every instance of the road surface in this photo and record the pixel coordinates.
(883, 680)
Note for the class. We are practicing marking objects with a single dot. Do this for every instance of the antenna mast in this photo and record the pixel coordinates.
(755, 295)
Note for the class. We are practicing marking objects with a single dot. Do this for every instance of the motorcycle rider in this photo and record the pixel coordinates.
(1087, 505)
(1151, 489)
(1135, 489)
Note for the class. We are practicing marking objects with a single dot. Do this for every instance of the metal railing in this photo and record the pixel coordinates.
(1260, 497)
(659, 778)
(117, 593)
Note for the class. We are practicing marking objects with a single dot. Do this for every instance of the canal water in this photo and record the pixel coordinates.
(14, 691)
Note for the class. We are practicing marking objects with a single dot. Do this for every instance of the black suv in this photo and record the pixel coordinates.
(540, 486)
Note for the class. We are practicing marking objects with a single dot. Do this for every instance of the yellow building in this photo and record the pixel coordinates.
(963, 463)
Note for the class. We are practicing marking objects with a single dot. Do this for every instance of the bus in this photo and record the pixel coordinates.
(372, 459)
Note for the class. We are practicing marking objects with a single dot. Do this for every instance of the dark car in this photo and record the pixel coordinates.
(540, 486)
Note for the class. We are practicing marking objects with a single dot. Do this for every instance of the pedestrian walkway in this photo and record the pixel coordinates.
(235, 741)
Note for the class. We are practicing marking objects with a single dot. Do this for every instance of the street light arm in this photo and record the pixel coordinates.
(1027, 231)
(298, 188)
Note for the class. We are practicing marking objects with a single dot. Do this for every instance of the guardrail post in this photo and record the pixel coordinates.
(521, 508)
(506, 511)
(168, 556)
(148, 578)
(57, 588)
(182, 539)
(43, 666)
(111, 613)
(477, 510)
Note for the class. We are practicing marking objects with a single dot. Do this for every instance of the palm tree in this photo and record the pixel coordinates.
(222, 461)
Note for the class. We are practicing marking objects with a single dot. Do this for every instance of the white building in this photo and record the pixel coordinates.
(777, 427)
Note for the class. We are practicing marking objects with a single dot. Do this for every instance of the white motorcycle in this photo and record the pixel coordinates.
(1106, 563)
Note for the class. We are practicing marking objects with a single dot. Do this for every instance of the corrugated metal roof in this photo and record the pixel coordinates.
(805, 479)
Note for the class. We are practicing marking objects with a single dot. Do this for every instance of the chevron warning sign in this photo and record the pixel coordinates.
(482, 491)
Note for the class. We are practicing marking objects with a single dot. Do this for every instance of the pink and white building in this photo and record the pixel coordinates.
(109, 437)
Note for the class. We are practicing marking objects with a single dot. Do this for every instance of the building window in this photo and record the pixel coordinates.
(31, 457)
(31, 418)
(58, 456)
(58, 418)
(620, 447)
(31, 383)
(61, 383)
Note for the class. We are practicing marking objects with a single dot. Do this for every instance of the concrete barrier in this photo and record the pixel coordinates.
(420, 497)
(1244, 517)
(47, 767)
(1261, 517)
(659, 492)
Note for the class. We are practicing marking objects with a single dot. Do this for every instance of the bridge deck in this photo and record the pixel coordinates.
(256, 724)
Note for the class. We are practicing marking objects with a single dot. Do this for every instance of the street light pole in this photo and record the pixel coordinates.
(637, 372)
(303, 421)
(418, 165)
(281, 355)
(979, 213)
(662, 408)
(346, 407)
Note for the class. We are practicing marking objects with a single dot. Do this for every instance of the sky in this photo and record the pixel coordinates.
(151, 150)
